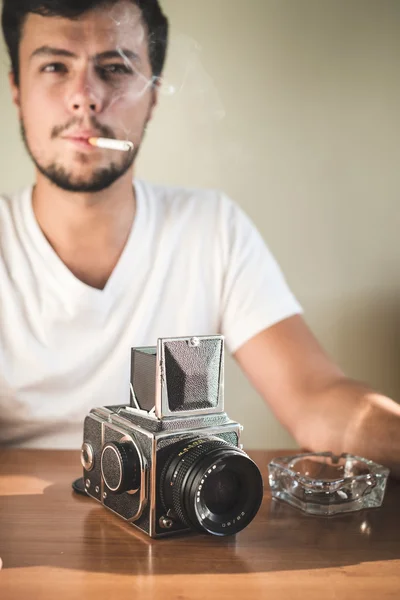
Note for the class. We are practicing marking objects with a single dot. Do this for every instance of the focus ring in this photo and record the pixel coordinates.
(182, 470)
(175, 448)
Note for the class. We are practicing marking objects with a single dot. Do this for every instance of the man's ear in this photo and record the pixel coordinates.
(155, 91)
(15, 91)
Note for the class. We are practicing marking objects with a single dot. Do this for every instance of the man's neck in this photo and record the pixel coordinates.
(87, 231)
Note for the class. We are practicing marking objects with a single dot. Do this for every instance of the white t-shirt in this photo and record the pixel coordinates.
(194, 264)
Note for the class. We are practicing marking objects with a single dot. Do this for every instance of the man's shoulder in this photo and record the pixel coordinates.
(7, 208)
(5, 200)
(8, 200)
(186, 198)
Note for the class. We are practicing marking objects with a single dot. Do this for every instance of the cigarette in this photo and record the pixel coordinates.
(122, 145)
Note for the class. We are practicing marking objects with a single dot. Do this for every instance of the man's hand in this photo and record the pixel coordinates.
(315, 401)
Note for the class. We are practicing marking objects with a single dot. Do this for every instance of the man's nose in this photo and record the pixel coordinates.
(86, 97)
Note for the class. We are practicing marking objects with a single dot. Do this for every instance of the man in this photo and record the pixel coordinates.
(92, 265)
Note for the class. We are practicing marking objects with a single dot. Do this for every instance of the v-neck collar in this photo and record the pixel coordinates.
(77, 291)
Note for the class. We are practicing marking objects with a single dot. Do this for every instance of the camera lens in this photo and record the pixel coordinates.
(222, 491)
(211, 485)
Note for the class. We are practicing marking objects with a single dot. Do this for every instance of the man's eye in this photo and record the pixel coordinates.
(117, 69)
(54, 68)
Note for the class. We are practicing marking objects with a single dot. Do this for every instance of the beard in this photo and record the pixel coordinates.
(99, 180)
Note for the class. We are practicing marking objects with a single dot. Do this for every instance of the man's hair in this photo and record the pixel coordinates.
(15, 12)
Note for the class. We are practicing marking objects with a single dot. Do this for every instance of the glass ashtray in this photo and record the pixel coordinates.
(322, 483)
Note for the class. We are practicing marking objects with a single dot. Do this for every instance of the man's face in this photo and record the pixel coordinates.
(83, 78)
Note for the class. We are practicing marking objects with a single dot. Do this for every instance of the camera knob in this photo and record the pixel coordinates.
(120, 467)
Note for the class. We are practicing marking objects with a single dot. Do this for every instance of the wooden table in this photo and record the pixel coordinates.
(55, 545)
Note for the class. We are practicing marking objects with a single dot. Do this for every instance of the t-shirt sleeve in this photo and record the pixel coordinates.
(255, 292)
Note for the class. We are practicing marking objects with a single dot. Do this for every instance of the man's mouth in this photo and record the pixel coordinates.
(81, 139)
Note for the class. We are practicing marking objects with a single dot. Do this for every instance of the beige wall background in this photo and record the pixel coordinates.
(291, 107)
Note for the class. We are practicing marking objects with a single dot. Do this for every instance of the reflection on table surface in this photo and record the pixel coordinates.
(50, 535)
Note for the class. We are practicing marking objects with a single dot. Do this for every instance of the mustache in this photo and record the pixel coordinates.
(103, 130)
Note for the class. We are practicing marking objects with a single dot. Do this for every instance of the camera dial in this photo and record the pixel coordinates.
(87, 457)
(120, 467)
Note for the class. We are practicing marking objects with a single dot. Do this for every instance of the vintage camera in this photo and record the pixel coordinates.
(171, 460)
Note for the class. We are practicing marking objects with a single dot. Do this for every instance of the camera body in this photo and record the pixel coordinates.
(151, 462)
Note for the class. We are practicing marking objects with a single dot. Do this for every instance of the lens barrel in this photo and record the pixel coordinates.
(212, 486)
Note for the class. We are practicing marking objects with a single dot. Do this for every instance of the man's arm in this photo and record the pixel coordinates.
(315, 401)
